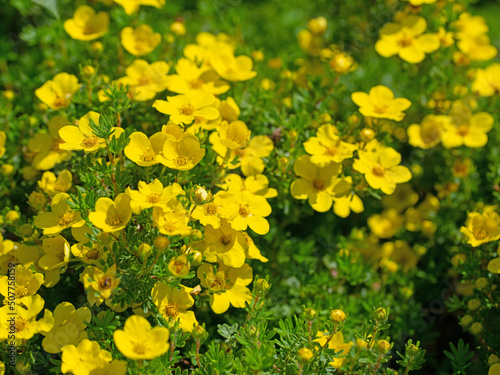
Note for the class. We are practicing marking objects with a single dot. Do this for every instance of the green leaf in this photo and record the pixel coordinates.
(50, 5)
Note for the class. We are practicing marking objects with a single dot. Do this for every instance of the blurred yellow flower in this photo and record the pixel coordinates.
(57, 93)
(380, 165)
(3, 138)
(132, 6)
(153, 195)
(380, 103)
(327, 146)
(407, 40)
(190, 77)
(487, 81)
(139, 41)
(428, 133)
(52, 185)
(86, 24)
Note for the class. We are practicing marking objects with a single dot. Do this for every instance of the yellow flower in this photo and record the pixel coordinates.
(469, 130)
(386, 224)
(138, 340)
(57, 92)
(52, 185)
(380, 103)
(44, 147)
(380, 165)
(407, 40)
(223, 206)
(228, 286)
(89, 359)
(482, 227)
(61, 217)
(182, 154)
(152, 195)
(3, 138)
(82, 137)
(69, 327)
(317, 184)
(477, 48)
(234, 135)
(146, 152)
(26, 325)
(140, 41)
(5, 245)
(97, 249)
(470, 26)
(173, 304)
(327, 146)
(251, 213)
(223, 244)
(172, 220)
(428, 134)
(146, 80)
(26, 283)
(100, 285)
(487, 81)
(132, 6)
(232, 68)
(342, 206)
(112, 216)
(336, 343)
(55, 258)
(179, 266)
(183, 109)
(86, 24)
(190, 77)
(417, 3)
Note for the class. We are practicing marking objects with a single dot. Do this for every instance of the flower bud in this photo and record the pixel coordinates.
(11, 217)
(309, 314)
(144, 249)
(482, 282)
(474, 304)
(380, 314)
(9, 95)
(37, 200)
(493, 359)
(88, 70)
(179, 266)
(466, 320)
(383, 346)
(261, 286)
(200, 195)
(161, 243)
(317, 25)
(97, 47)
(178, 28)
(257, 55)
(361, 344)
(337, 316)
(341, 63)
(7, 169)
(305, 355)
(367, 134)
(198, 332)
(476, 328)
(412, 350)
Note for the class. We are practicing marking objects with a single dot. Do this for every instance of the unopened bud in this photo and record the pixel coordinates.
(383, 346)
(309, 314)
(380, 314)
(305, 355)
(337, 316)
(261, 286)
(161, 243)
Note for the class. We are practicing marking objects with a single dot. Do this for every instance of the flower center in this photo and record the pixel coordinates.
(153, 198)
(139, 348)
(88, 30)
(463, 130)
(210, 209)
(55, 145)
(59, 102)
(380, 108)
(331, 151)
(89, 141)
(116, 220)
(319, 184)
(93, 254)
(197, 83)
(105, 282)
(244, 211)
(169, 227)
(21, 291)
(378, 170)
(172, 310)
(20, 324)
(226, 239)
(181, 161)
(186, 110)
(66, 218)
(480, 234)
(148, 156)
(405, 41)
